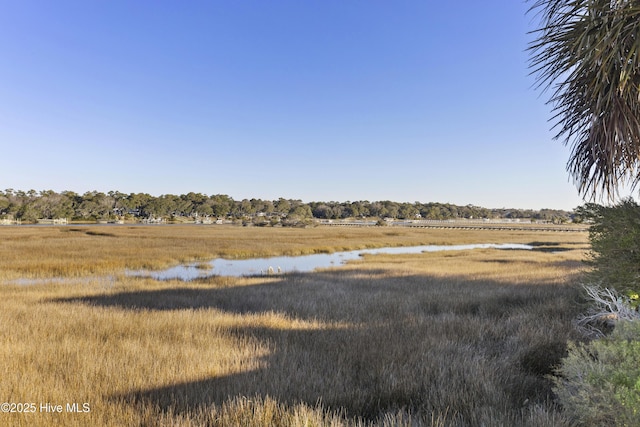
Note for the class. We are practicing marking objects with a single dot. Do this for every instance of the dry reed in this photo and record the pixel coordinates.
(80, 251)
(448, 338)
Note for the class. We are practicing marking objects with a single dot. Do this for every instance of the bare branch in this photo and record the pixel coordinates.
(609, 308)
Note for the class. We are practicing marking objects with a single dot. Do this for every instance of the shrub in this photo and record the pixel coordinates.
(599, 382)
(615, 245)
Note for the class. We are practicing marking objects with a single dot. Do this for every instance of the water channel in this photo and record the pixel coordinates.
(303, 263)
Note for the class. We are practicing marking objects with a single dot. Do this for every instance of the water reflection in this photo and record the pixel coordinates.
(304, 263)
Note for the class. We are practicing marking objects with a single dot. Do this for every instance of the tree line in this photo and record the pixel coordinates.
(29, 206)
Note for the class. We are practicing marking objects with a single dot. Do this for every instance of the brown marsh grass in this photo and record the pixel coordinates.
(461, 338)
(79, 251)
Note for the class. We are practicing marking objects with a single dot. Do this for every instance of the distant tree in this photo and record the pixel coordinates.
(407, 211)
(23, 205)
(192, 203)
(588, 52)
(185, 207)
(363, 209)
(95, 205)
(221, 205)
(117, 198)
(376, 209)
(53, 205)
(92, 205)
(434, 212)
(390, 209)
(137, 202)
(321, 210)
(28, 212)
(267, 206)
(301, 212)
(282, 206)
(245, 207)
(453, 211)
(158, 207)
(299, 215)
(337, 211)
(5, 203)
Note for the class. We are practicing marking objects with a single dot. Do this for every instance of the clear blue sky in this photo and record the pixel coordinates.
(317, 100)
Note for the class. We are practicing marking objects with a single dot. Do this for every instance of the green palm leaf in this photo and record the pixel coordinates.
(586, 53)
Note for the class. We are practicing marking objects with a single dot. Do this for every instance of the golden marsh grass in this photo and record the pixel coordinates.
(77, 251)
(442, 338)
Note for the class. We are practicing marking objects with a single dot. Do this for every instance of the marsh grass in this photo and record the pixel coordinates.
(44, 252)
(438, 339)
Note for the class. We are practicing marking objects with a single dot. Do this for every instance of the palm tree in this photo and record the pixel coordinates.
(588, 53)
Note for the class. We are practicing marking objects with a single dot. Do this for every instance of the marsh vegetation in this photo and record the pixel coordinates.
(440, 338)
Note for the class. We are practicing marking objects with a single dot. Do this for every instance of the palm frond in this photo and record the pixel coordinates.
(587, 53)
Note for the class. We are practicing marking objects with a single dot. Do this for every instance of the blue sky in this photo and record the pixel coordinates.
(339, 100)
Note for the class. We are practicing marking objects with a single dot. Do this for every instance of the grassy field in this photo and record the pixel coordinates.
(437, 339)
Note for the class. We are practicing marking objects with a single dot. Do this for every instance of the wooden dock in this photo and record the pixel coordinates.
(465, 225)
